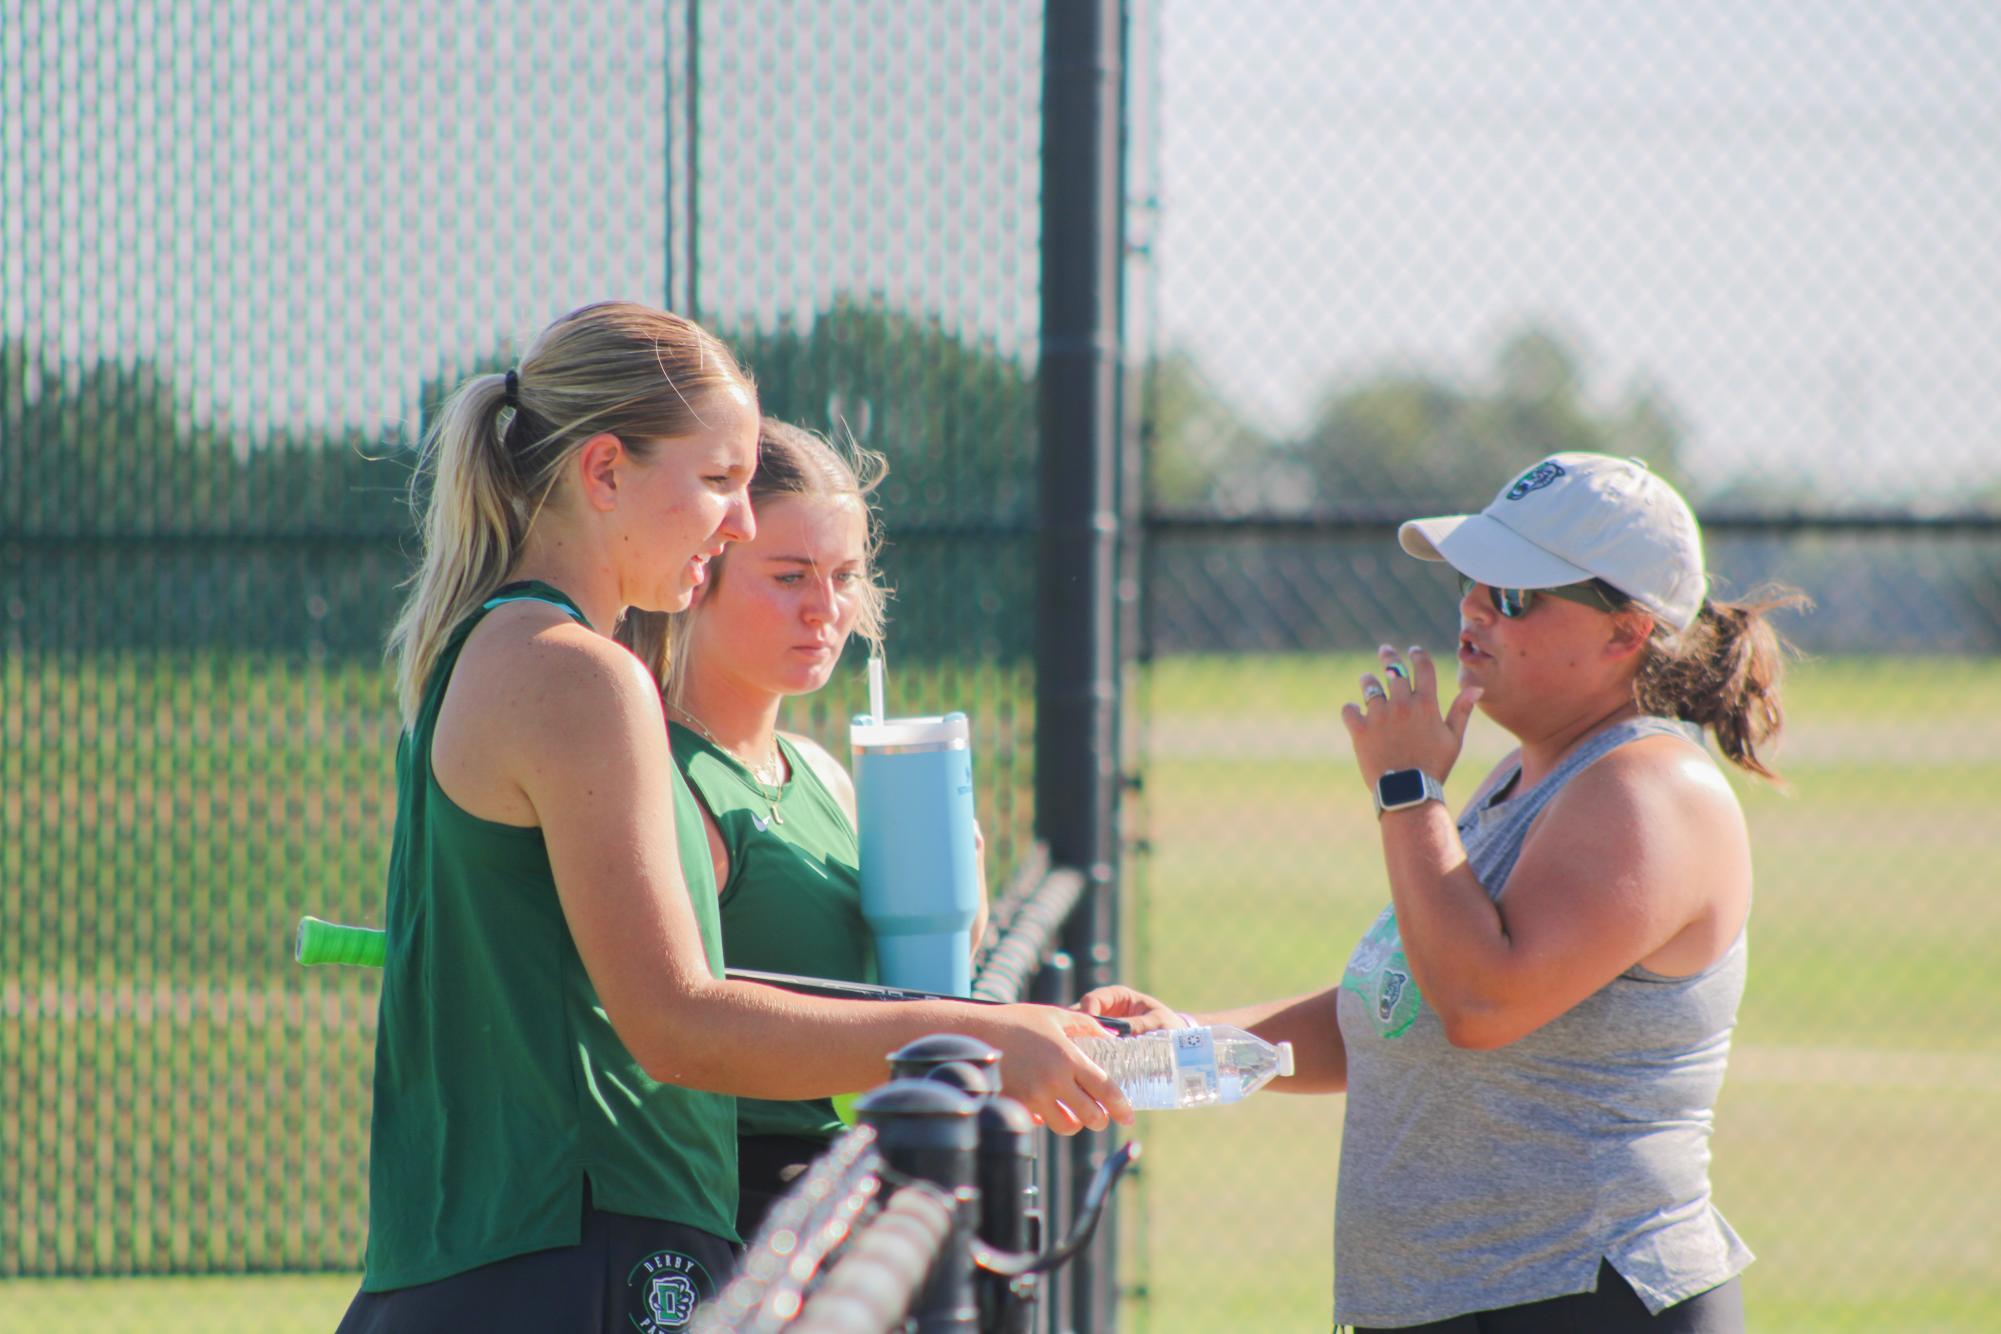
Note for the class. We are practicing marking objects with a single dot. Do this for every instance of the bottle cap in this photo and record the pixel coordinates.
(1284, 1059)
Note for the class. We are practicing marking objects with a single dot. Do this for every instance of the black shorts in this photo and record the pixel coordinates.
(767, 1166)
(626, 1274)
(1614, 1309)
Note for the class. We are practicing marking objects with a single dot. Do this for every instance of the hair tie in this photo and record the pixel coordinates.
(513, 396)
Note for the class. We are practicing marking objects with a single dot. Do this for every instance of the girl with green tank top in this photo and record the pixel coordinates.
(779, 809)
(557, 1047)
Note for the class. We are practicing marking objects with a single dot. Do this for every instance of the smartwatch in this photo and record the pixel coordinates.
(1401, 789)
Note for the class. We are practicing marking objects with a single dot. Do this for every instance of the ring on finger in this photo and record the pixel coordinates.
(1373, 691)
(1398, 670)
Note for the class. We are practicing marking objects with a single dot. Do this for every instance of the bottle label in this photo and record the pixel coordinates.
(1194, 1065)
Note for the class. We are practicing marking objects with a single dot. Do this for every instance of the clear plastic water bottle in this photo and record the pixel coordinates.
(1189, 1067)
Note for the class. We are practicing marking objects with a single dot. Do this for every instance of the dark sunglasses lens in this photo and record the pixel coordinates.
(1509, 602)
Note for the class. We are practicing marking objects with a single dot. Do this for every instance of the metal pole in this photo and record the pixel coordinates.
(694, 30)
(1059, 1187)
(929, 1131)
(667, 171)
(1077, 670)
(1007, 1186)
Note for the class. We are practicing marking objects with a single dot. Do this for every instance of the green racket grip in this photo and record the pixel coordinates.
(330, 942)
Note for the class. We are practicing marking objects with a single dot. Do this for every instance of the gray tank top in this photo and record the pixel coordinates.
(1473, 1180)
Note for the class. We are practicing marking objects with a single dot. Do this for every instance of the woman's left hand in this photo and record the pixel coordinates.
(1138, 1009)
(1398, 725)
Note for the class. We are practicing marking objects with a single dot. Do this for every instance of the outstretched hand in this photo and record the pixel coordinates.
(1042, 1069)
(1398, 724)
(1143, 1012)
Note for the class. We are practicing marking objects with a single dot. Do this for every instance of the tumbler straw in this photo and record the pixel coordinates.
(875, 688)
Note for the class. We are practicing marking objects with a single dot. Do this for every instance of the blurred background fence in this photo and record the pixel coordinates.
(1378, 257)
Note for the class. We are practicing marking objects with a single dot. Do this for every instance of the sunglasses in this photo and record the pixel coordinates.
(1514, 603)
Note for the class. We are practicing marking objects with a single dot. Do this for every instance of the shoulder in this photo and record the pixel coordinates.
(549, 676)
(832, 774)
(1656, 786)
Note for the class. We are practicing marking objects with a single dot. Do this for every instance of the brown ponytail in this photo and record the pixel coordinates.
(1723, 673)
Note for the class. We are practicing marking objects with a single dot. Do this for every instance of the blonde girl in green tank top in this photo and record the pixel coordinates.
(768, 624)
(554, 1022)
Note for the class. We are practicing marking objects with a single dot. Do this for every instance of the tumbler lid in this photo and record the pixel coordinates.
(950, 732)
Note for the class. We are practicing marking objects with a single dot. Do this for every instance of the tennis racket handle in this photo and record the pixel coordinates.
(329, 942)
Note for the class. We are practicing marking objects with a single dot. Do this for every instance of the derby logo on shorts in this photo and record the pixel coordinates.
(1535, 479)
(670, 1286)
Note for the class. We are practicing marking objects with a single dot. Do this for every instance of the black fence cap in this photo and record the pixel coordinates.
(972, 1080)
(919, 1058)
(1011, 1118)
(915, 1097)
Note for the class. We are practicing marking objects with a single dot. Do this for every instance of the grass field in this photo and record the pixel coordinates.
(199, 1077)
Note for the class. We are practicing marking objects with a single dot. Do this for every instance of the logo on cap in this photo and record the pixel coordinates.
(1535, 479)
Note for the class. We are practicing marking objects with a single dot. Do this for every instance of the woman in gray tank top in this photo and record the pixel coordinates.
(1533, 1033)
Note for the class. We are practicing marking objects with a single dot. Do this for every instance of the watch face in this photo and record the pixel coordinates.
(1400, 787)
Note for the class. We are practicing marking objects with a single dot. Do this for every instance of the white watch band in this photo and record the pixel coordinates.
(1426, 789)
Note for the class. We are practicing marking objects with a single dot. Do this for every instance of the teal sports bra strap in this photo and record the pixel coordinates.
(535, 592)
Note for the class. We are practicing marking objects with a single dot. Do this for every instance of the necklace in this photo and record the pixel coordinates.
(771, 787)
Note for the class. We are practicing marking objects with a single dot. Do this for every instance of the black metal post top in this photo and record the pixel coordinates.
(917, 1060)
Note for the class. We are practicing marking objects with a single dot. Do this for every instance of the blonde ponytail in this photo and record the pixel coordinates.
(616, 368)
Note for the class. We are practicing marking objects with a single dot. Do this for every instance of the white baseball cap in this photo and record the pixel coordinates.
(1575, 517)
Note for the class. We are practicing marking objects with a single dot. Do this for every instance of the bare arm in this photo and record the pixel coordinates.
(1319, 1056)
(1641, 857)
(582, 735)
(1640, 850)
(1308, 1022)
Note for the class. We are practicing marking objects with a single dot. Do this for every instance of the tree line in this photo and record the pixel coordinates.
(112, 447)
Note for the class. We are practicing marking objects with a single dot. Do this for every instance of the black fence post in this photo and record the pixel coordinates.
(928, 1131)
(1056, 984)
(1079, 379)
(1007, 1184)
(1005, 1169)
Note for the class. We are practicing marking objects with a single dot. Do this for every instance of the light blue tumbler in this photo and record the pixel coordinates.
(920, 875)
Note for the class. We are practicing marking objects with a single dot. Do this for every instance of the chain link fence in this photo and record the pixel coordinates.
(1391, 255)
(244, 250)
(1379, 257)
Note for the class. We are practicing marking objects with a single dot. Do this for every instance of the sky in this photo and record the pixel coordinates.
(1782, 217)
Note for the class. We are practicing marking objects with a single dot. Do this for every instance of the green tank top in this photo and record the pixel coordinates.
(793, 899)
(500, 1087)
